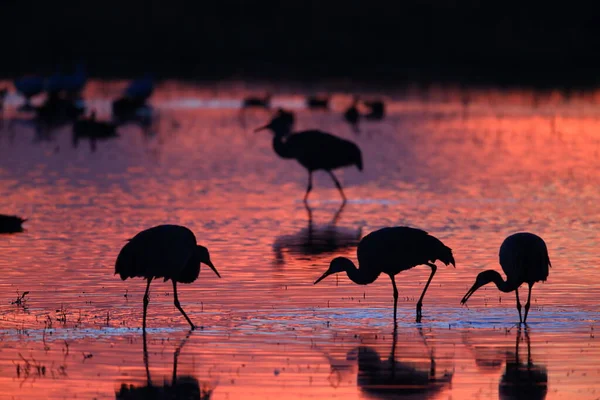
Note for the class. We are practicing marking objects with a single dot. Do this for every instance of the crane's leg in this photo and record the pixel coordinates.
(309, 187)
(337, 184)
(518, 306)
(176, 302)
(527, 305)
(146, 301)
(420, 302)
(395, 300)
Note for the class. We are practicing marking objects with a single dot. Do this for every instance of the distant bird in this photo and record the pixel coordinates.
(352, 116)
(70, 85)
(29, 86)
(313, 149)
(57, 110)
(388, 378)
(318, 102)
(140, 89)
(524, 259)
(11, 223)
(90, 128)
(257, 102)
(390, 251)
(377, 110)
(164, 251)
(127, 108)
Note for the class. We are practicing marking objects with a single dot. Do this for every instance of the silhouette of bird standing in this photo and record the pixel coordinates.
(377, 110)
(11, 224)
(313, 149)
(318, 103)
(524, 259)
(390, 251)
(164, 251)
(352, 116)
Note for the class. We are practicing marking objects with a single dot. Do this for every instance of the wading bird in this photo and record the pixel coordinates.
(11, 224)
(90, 128)
(164, 251)
(377, 110)
(257, 102)
(524, 259)
(313, 149)
(29, 86)
(390, 251)
(352, 116)
(140, 89)
(318, 102)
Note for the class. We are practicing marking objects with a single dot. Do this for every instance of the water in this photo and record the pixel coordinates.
(469, 179)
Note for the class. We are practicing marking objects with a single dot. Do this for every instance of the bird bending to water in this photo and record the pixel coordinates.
(352, 116)
(390, 251)
(313, 149)
(524, 259)
(164, 251)
(11, 224)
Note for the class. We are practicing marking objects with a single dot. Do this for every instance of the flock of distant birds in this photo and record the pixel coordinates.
(172, 253)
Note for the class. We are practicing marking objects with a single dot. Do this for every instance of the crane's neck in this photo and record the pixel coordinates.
(358, 276)
(281, 147)
(502, 285)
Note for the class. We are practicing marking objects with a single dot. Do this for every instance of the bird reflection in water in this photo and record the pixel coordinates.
(315, 240)
(391, 378)
(522, 379)
(183, 387)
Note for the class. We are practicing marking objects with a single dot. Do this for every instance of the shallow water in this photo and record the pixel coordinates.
(469, 178)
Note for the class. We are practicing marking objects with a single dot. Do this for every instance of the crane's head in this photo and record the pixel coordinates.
(338, 264)
(204, 257)
(483, 279)
(280, 124)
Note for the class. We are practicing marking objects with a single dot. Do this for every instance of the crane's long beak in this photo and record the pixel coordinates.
(210, 264)
(325, 275)
(262, 128)
(469, 293)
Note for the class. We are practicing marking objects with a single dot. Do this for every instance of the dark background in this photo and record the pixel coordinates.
(499, 42)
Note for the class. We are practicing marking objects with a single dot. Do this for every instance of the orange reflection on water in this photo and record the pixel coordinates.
(469, 178)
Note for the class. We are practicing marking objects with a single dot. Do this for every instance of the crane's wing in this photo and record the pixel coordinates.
(320, 150)
(162, 251)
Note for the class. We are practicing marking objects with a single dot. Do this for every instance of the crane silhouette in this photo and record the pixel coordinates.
(313, 149)
(318, 102)
(164, 251)
(390, 251)
(182, 387)
(257, 102)
(352, 116)
(140, 89)
(377, 110)
(524, 259)
(29, 86)
(11, 223)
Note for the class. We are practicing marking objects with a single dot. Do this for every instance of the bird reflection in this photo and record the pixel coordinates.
(315, 240)
(183, 387)
(520, 380)
(396, 379)
(523, 380)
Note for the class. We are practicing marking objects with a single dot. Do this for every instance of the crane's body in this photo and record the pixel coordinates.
(524, 259)
(313, 149)
(352, 116)
(390, 251)
(164, 251)
(11, 223)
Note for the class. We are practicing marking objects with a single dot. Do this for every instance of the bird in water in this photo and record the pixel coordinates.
(313, 149)
(377, 110)
(390, 251)
(140, 89)
(318, 102)
(257, 102)
(352, 116)
(93, 130)
(11, 223)
(164, 251)
(524, 259)
(29, 86)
